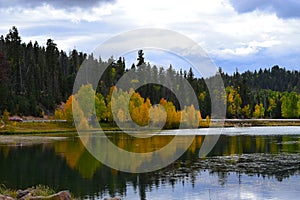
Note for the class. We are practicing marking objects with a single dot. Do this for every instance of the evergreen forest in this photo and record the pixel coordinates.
(38, 81)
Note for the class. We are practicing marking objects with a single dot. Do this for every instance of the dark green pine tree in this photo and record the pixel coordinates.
(3, 83)
(140, 58)
(50, 74)
(120, 68)
(13, 46)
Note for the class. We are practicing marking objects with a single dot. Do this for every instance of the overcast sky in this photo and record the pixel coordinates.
(243, 34)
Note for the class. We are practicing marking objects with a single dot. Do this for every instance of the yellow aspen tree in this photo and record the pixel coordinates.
(158, 116)
(259, 111)
(100, 107)
(68, 110)
(172, 115)
(246, 111)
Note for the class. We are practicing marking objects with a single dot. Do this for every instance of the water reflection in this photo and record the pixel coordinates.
(67, 164)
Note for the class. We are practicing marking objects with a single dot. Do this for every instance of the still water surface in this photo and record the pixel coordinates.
(246, 163)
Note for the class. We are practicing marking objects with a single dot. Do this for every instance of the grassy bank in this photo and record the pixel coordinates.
(59, 127)
(260, 122)
(39, 190)
(13, 128)
(36, 127)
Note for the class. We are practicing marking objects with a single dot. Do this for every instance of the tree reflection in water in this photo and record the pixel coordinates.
(68, 165)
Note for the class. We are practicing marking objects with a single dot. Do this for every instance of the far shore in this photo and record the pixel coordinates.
(258, 122)
(52, 127)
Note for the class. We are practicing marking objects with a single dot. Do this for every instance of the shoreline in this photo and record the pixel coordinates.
(31, 128)
(258, 122)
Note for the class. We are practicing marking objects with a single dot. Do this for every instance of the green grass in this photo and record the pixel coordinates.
(6, 191)
(13, 128)
(41, 190)
(36, 127)
(35, 191)
(263, 123)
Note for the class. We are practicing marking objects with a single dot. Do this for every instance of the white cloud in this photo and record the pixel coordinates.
(246, 49)
(264, 44)
(163, 13)
(282, 8)
(215, 25)
(241, 51)
(48, 13)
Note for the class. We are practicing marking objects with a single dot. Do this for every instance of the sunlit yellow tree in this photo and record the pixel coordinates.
(290, 105)
(68, 114)
(5, 116)
(85, 97)
(120, 105)
(259, 111)
(100, 107)
(190, 117)
(59, 114)
(234, 101)
(79, 116)
(246, 111)
(173, 117)
(158, 116)
(108, 114)
(139, 109)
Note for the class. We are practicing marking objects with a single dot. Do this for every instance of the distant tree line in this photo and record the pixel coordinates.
(34, 80)
(268, 93)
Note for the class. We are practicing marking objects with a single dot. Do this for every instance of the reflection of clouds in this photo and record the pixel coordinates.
(260, 188)
(239, 131)
(198, 184)
(206, 186)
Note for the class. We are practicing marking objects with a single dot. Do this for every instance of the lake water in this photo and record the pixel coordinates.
(246, 163)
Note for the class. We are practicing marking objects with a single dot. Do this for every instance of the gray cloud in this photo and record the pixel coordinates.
(282, 8)
(65, 4)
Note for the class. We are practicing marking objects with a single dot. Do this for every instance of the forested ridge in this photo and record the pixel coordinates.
(35, 80)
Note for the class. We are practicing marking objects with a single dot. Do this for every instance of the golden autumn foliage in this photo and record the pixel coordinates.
(86, 99)
(158, 116)
(109, 114)
(234, 102)
(246, 111)
(139, 109)
(59, 114)
(123, 106)
(190, 117)
(100, 107)
(259, 111)
(68, 110)
(173, 117)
